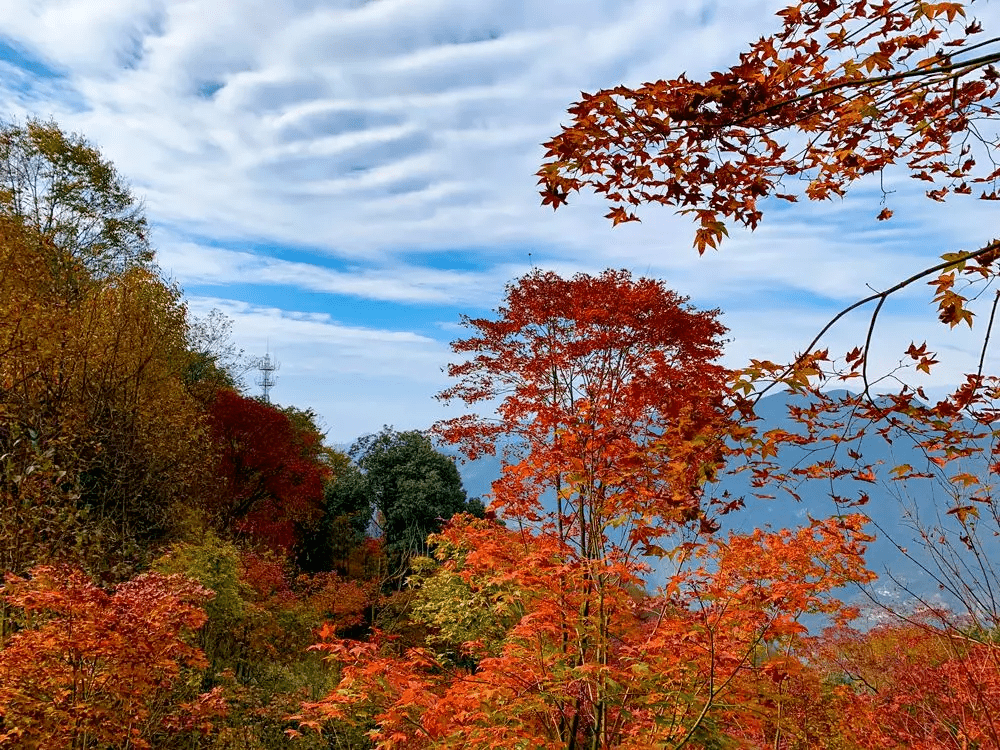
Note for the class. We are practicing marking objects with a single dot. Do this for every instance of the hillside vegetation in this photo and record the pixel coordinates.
(189, 567)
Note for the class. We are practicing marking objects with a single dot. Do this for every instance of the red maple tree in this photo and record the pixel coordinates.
(273, 477)
(609, 392)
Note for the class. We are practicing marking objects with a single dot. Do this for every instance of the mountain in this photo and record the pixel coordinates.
(907, 517)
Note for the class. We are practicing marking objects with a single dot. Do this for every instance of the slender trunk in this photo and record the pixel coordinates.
(574, 728)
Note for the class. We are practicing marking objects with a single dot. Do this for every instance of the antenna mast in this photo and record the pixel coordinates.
(267, 381)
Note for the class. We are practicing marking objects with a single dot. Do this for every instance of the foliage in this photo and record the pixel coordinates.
(674, 668)
(119, 437)
(91, 387)
(61, 187)
(347, 512)
(272, 471)
(908, 684)
(215, 565)
(92, 669)
(459, 608)
(41, 520)
(843, 90)
(259, 622)
(898, 684)
(609, 386)
(412, 486)
(540, 629)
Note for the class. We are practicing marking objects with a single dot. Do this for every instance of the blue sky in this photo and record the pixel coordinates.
(344, 178)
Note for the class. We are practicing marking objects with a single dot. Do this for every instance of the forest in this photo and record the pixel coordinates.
(187, 566)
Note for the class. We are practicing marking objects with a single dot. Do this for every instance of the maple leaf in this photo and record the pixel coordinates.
(962, 512)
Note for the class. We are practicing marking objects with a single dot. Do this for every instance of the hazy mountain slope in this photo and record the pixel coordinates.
(900, 511)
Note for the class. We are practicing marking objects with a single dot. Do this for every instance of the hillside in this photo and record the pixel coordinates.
(901, 512)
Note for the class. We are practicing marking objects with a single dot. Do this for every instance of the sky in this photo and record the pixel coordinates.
(344, 179)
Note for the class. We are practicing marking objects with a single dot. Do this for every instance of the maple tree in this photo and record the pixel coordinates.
(609, 388)
(899, 684)
(88, 669)
(261, 617)
(841, 91)
(915, 684)
(682, 667)
(261, 608)
(271, 468)
(844, 90)
(615, 417)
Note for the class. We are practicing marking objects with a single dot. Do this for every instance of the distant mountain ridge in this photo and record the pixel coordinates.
(897, 509)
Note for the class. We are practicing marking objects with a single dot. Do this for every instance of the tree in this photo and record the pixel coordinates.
(912, 684)
(262, 614)
(616, 415)
(842, 91)
(89, 669)
(612, 395)
(610, 388)
(216, 361)
(458, 610)
(347, 512)
(272, 470)
(413, 488)
(61, 187)
(91, 389)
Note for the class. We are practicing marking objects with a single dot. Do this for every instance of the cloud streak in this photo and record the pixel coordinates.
(208, 266)
(380, 156)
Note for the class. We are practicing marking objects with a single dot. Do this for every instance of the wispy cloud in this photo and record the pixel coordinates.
(382, 153)
(357, 378)
(209, 266)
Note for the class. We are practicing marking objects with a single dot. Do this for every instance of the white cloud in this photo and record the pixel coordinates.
(356, 378)
(450, 100)
(86, 38)
(385, 135)
(203, 265)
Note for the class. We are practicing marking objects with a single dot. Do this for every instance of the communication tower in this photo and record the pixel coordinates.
(267, 381)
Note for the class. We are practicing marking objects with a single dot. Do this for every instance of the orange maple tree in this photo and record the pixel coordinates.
(86, 668)
(914, 684)
(615, 420)
(909, 684)
(841, 91)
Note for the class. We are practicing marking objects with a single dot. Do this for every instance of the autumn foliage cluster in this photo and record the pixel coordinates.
(155, 521)
(186, 566)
